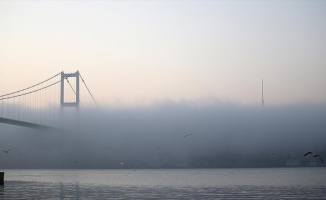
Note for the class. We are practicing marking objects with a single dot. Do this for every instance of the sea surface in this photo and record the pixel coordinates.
(262, 183)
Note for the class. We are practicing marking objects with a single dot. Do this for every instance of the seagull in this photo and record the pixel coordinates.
(187, 135)
(314, 155)
(6, 151)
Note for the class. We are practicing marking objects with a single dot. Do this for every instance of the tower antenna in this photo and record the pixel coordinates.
(262, 92)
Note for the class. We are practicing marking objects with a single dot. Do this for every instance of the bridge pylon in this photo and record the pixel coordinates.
(64, 104)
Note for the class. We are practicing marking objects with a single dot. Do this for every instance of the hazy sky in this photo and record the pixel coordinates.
(137, 52)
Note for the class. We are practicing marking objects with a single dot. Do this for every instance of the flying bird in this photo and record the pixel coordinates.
(187, 135)
(314, 155)
(6, 151)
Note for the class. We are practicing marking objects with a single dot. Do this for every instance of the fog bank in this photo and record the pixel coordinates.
(222, 135)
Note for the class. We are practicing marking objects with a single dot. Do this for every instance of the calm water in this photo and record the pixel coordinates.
(287, 183)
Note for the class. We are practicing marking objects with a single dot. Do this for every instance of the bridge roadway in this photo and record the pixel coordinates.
(28, 124)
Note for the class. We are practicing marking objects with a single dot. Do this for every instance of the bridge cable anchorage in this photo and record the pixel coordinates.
(73, 89)
(30, 86)
(88, 89)
(31, 91)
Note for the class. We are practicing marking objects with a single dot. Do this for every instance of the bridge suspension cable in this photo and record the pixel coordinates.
(87, 88)
(30, 86)
(29, 92)
(32, 106)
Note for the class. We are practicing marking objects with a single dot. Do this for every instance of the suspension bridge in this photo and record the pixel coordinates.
(41, 106)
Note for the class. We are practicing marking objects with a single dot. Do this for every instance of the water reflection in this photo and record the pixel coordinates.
(70, 191)
(2, 189)
(62, 191)
(34, 190)
(77, 191)
(166, 184)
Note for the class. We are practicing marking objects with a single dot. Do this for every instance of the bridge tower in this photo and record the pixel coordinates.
(64, 104)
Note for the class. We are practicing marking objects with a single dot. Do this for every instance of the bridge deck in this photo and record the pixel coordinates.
(28, 124)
